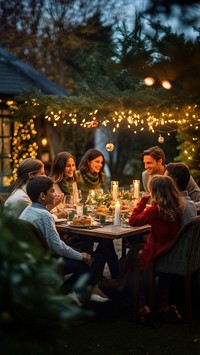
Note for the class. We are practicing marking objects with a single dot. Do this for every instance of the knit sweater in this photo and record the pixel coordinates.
(85, 188)
(17, 202)
(162, 232)
(42, 219)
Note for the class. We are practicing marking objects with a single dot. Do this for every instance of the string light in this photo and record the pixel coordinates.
(166, 84)
(23, 145)
(132, 119)
(149, 81)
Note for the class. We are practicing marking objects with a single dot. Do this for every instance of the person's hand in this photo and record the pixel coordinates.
(61, 214)
(146, 195)
(58, 199)
(87, 258)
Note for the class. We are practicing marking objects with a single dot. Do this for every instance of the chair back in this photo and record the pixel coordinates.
(183, 256)
(33, 235)
(1, 204)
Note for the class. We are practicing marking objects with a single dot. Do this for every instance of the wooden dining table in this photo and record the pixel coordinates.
(109, 231)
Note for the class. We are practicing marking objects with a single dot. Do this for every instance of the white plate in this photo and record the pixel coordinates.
(60, 220)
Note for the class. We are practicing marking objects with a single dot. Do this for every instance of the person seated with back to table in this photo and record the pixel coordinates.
(18, 199)
(41, 191)
(154, 163)
(164, 216)
(180, 173)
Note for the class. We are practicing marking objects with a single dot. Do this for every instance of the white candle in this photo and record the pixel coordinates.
(115, 191)
(117, 214)
(136, 189)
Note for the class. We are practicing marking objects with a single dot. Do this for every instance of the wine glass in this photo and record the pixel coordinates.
(79, 197)
(79, 205)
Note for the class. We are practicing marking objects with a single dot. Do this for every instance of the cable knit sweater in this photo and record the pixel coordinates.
(162, 232)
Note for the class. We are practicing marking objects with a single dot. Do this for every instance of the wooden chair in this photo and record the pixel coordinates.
(182, 258)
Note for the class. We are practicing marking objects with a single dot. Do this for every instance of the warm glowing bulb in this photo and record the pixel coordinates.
(166, 84)
(149, 81)
(44, 141)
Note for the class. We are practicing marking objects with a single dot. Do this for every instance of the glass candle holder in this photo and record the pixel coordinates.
(114, 189)
(136, 188)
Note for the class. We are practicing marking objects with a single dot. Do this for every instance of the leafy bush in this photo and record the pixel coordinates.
(29, 299)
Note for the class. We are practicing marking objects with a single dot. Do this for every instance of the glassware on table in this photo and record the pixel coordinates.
(123, 220)
(71, 215)
(102, 219)
(121, 191)
(98, 194)
(79, 209)
(79, 196)
(91, 202)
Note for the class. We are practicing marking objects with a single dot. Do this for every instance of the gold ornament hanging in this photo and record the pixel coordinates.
(161, 139)
(110, 147)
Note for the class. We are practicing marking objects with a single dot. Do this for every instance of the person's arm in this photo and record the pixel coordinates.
(48, 228)
(193, 190)
(142, 215)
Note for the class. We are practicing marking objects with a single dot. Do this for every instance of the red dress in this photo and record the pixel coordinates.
(162, 232)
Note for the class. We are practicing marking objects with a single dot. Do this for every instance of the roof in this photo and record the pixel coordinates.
(17, 76)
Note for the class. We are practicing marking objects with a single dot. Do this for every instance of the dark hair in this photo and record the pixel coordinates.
(166, 196)
(90, 155)
(180, 173)
(37, 185)
(59, 164)
(156, 153)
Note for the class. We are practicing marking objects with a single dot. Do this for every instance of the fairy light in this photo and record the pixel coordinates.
(165, 121)
(23, 144)
(166, 84)
(149, 81)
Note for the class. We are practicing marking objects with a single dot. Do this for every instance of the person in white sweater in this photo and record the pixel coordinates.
(18, 199)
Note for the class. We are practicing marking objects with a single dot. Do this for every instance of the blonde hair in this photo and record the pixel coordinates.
(166, 196)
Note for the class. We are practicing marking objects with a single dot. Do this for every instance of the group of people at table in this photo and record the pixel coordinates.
(170, 200)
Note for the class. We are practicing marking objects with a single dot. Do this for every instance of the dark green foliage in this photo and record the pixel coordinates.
(30, 303)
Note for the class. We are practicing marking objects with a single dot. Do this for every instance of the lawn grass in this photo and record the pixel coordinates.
(108, 337)
(123, 337)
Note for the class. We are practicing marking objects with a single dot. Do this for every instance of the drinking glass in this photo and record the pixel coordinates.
(79, 209)
(99, 194)
(79, 197)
